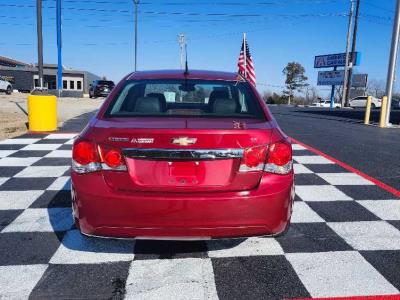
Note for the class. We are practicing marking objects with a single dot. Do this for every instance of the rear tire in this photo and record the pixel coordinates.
(9, 90)
(373, 106)
(76, 222)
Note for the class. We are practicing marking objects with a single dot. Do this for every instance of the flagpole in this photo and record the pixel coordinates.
(245, 55)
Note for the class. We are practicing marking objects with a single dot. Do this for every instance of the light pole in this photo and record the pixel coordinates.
(346, 67)
(353, 50)
(392, 62)
(136, 2)
(40, 41)
(59, 57)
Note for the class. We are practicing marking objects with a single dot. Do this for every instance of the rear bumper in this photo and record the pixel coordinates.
(102, 211)
(101, 93)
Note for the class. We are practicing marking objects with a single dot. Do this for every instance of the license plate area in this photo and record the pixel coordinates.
(184, 173)
(156, 173)
(186, 168)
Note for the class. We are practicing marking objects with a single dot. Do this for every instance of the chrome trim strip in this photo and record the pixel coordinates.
(119, 168)
(182, 154)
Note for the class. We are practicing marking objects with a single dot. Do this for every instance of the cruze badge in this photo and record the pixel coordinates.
(118, 139)
(142, 140)
(183, 141)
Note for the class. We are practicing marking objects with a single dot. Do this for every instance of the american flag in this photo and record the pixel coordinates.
(245, 64)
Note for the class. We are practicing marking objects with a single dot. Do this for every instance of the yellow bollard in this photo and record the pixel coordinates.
(368, 110)
(382, 119)
(42, 112)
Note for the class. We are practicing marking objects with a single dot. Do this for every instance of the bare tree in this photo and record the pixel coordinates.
(272, 98)
(376, 88)
(311, 94)
(338, 93)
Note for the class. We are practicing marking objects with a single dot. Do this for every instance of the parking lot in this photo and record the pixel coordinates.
(344, 239)
(13, 112)
(341, 134)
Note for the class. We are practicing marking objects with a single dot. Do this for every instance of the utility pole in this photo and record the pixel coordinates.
(392, 62)
(40, 41)
(353, 50)
(136, 2)
(59, 56)
(182, 47)
(346, 67)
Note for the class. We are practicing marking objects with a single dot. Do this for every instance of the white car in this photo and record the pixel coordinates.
(6, 87)
(326, 103)
(361, 101)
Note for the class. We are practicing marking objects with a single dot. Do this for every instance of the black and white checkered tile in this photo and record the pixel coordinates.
(344, 240)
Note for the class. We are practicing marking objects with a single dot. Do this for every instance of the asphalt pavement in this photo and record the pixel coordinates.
(341, 134)
(344, 240)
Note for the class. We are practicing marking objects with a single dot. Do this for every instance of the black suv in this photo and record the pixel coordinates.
(100, 88)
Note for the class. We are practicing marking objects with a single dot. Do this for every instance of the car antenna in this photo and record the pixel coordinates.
(186, 62)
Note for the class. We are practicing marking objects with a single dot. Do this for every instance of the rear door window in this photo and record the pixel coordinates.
(200, 98)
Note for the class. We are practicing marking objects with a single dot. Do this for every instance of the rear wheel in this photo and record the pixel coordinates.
(373, 106)
(9, 90)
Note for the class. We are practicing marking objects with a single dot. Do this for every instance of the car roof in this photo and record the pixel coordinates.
(180, 74)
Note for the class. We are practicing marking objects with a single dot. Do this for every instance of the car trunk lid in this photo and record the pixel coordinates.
(190, 155)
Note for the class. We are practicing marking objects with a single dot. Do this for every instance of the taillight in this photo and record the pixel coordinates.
(84, 157)
(112, 158)
(84, 152)
(87, 157)
(253, 159)
(279, 158)
(275, 158)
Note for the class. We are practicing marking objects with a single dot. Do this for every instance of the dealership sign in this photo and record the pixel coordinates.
(335, 60)
(330, 77)
(10, 79)
(359, 80)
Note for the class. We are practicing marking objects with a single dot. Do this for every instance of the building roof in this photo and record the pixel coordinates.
(180, 74)
(9, 62)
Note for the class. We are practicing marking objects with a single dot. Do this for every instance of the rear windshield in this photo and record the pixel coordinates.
(105, 82)
(198, 98)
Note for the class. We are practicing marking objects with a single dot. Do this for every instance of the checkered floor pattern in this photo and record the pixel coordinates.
(344, 240)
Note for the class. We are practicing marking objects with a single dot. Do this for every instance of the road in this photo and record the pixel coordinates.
(344, 239)
(340, 134)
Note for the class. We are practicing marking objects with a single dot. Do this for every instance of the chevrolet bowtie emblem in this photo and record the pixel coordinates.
(183, 141)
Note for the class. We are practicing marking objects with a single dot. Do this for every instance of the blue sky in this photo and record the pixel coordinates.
(98, 34)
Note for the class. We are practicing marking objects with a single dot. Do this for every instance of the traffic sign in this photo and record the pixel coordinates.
(335, 60)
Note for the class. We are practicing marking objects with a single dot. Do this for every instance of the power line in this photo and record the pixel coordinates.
(175, 13)
(209, 36)
(304, 15)
(377, 6)
(211, 3)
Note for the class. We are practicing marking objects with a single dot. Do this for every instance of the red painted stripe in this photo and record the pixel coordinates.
(377, 182)
(378, 297)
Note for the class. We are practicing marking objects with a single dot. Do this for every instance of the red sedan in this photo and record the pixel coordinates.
(175, 155)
